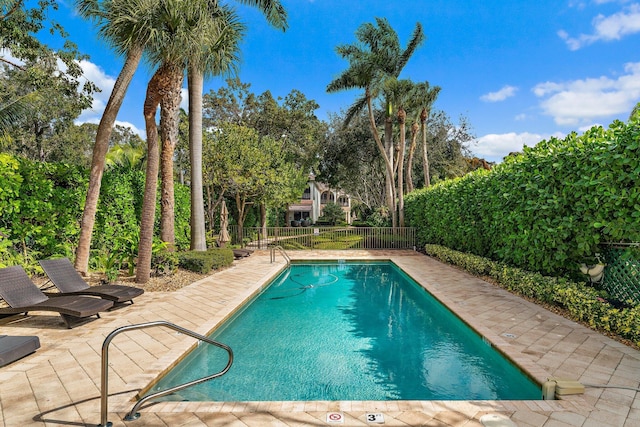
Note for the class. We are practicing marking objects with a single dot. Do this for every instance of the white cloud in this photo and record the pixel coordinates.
(141, 132)
(607, 28)
(501, 95)
(184, 102)
(494, 147)
(581, 102)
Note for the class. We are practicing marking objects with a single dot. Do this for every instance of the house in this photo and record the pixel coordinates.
(307, 211)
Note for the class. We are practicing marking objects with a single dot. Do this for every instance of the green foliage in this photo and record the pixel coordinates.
(164, 263)
(41, 206)
(582, 302)
(547, 209)
(205, 261)
(332, 213)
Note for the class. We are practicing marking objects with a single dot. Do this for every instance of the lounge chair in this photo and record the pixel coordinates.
(14, 348)
(69, 282)
(23, 296)
(241, 253)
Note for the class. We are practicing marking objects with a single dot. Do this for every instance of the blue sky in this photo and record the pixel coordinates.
(519, 70)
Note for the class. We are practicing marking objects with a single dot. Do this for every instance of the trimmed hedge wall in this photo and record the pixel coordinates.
(547, 209)
(41, 206)
(583, 303)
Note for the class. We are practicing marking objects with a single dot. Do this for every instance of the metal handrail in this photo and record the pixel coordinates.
(282, 251)
(133, 415)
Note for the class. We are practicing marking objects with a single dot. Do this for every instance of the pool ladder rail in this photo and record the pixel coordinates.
(282, 252)
(133, 414)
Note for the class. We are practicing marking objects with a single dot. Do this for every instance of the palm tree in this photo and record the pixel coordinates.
(377, 58)
(178, 44)
(422, 98)
(126, 25)
(215, 57)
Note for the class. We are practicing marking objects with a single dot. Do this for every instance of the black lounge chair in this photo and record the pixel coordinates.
(14, 348)
(241, 253)
(69, 282)
(22, 296)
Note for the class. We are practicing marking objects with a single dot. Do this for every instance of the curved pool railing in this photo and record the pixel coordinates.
(133, 414)
(282, 252)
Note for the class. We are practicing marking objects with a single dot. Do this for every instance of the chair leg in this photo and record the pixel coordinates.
(67, 320)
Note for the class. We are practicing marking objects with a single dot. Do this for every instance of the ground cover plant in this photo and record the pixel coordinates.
(581, 303)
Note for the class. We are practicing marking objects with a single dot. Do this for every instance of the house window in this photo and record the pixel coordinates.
(343, 201)
(307, 194)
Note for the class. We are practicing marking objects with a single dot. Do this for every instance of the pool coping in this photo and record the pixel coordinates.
(61, 381)
(146, 381)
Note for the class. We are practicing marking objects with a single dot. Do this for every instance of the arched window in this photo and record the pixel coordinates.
(326, 197)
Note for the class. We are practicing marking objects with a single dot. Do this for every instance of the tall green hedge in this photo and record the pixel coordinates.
(547, 209)
(41, 206)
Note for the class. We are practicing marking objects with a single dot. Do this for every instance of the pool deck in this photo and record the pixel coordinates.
(59, 384)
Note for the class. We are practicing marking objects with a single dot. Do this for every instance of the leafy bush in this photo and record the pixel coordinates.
(222, 257)
(197, 261)
(332, 213)
(205, 261)
(41, 206)
(547, 209)
(582, 302)
(164, 263)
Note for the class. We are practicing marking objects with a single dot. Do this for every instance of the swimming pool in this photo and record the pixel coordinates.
(349, 331)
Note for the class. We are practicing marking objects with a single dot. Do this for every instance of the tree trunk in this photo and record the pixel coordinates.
(412, 148)
(155, 90)
(389, 196)
(391, 175)
(263, 219)
(402, 118)
(100, 149)
(241, 205)
(425, 157)
(198, 231)
(169, 118)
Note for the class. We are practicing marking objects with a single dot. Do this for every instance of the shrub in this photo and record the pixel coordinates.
(164, 263)
(205, 261)
(222, 257)
(581, 302)
(197, 261)
(547, 209)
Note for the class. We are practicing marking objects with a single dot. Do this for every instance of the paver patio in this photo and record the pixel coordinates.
(60, 383)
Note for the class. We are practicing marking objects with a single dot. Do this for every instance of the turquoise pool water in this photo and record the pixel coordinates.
(349, 331)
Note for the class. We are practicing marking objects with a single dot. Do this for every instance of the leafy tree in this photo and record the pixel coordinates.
(332, 212)
(291, 120)
(351, 161)
(250, 169)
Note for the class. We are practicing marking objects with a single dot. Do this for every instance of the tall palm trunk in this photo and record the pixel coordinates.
(425, 157)
(155, 90)
(390, 179)
(198, 231)
(412, 149)
(402, 118)
(389, 193)
(169, 118)
(100, 149)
